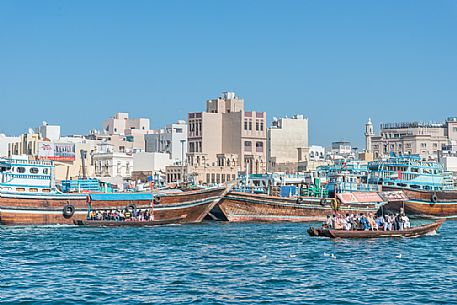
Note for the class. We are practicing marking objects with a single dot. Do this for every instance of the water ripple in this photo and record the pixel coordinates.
(222, 263)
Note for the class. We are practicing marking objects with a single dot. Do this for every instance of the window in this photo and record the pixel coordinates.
(247, 146)
(245, 125)
(257, 125)
(34, 170)
(45, 171)
(250, 125)
(423, 145)
(261, 126)
(178, 130)
(259, 146)
(20, 170)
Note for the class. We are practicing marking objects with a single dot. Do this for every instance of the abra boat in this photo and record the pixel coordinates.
(112, 223)
(411, 232)
(241, 206)
(430, 190)
(29, 196)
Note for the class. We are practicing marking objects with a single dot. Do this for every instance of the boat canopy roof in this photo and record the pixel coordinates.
(121, 196)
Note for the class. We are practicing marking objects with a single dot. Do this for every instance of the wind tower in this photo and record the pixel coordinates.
(368, 134)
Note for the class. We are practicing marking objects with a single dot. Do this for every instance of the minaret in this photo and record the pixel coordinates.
(368, 134)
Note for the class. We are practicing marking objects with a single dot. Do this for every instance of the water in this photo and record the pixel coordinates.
(222, 263)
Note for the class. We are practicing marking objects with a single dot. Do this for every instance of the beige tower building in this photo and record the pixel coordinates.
(224, 140)
(286, 138)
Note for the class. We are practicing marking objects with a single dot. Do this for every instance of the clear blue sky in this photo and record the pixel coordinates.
(75, 63)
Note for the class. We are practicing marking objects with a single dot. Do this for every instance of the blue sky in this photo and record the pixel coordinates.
(76, 63)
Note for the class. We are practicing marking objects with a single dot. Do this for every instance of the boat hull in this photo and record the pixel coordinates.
(420, 203)
(241, 207)
(412, 232)
(102, 223)
(30, 209)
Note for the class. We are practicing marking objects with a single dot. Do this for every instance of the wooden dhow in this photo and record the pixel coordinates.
(28, 196)
(41, 209)
(428, 204)
(240, 207)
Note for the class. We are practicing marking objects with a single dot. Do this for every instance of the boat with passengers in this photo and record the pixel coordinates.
(29, 195)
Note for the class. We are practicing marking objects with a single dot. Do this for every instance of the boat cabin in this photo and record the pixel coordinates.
(24, 176)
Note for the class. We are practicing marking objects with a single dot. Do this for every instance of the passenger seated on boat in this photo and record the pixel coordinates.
(354, 223)
(380, 221)
(406, 222)
(372, 222)
(364, 222)
(92, 215)
(339, 222)
(127, 215)
(347, 223)
(121, 215)
(147, 216)
(397, 222)
(390, 223)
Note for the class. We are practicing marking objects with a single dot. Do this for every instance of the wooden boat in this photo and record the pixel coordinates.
(112, 223)
(426, 203)
(49, 209)
(240, 207)
(411, 232)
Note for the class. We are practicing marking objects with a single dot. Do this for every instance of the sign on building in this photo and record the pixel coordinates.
(56, 151)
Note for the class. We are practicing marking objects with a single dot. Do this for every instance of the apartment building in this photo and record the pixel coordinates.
(224, 140)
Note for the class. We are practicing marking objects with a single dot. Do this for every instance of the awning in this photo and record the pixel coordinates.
(120, 196)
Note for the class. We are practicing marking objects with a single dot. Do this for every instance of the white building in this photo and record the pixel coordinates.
(5, 141)
(284, 138)
(316, 153)
(121, 122)
(171, 140)
(108, 163)
(50, 132)
(151, 161)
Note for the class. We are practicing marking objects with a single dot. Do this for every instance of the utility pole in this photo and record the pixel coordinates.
(182, 160)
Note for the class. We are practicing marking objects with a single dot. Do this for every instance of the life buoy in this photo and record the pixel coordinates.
(68, 211)
(322, 202)
(434, 198)
(299, 200)
(335, 204)
(157, 199)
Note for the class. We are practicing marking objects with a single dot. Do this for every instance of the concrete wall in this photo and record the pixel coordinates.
(151, 161)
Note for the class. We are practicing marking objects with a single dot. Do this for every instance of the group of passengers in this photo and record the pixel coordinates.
(121, 215)
(388, 222)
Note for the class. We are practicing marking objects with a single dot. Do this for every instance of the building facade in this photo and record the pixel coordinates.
(171, 140)
(414, 138)
(284, 138)
(225, 139)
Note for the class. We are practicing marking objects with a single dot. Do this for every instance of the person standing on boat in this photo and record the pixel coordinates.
(347, 223)
(328, 223)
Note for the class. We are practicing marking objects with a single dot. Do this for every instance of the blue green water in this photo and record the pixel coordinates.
(222, 263)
